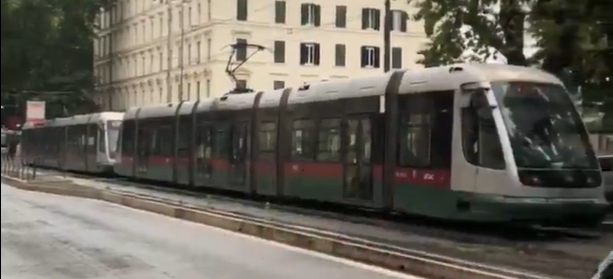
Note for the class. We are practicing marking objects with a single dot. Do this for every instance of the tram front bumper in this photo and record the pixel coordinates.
(546, 211)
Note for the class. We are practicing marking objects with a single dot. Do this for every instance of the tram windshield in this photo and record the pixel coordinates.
(544, 127)
(113, 128)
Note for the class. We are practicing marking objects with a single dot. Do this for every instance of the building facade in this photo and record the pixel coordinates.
(155, 51)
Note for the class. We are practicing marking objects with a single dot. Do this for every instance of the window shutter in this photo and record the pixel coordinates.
(304, 13)
(317, 54)
(341, 16)
(364, 18)
(241, 10)
(340, 55)
(279, 52)
(280, 11)
(377, 19)
(396, 58)
(278, 84)
(377, 57)
(317, 14)
(404, 21)
(364, 59)
(241, 49)
(303, 56)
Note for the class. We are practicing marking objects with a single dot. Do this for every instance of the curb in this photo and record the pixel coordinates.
(409, 264)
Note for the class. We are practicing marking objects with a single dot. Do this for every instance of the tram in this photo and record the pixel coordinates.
(84, 143)
(473, 142)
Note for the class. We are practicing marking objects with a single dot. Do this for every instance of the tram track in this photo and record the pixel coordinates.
(455, 230)
(533, 242)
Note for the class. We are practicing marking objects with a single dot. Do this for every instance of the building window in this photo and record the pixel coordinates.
(241, 83)
(208, 49)
(339, 55)
(279, 52)
(208, 10)
(199, 8)
(396, 58)
(208, 88)
(310, 14)
(278, 84)
(280, 11)
(399, 21)
(341, 16)
(189, 54)
(198, 52)
(241, 10)
(371, 19)
(309, 54)
(241, 49)
(189, 91)
(161, 25)
(370, 57)
(161, 60)
(189, 18)
(198, 90)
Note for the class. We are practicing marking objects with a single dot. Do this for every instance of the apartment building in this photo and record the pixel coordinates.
(153, 51)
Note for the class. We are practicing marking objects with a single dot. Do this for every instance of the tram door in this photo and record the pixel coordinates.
(144, 138)
(358, 173)
(204, 149)
(238, 155)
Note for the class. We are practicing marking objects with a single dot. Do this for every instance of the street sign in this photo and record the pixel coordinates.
(35, 112)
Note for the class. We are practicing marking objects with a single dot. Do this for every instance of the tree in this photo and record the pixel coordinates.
(473, 30)
(47, 46)
(570, 35)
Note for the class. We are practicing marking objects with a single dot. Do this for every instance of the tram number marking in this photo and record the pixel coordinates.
(416, 175)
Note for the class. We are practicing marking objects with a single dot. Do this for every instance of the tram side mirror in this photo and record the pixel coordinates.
(477, 95)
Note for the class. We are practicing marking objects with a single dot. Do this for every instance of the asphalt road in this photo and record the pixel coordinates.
(53, 237)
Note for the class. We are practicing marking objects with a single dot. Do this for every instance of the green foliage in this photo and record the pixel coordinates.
(500, 28)
(570, 36)
(47, 46)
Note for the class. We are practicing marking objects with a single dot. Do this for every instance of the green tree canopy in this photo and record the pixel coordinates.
(47, 47)
(571, 37)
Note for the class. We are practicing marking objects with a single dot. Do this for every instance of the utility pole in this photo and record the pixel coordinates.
(182, 52)
(391, 114)
(112, 42)
(169, 56)
(387, 30)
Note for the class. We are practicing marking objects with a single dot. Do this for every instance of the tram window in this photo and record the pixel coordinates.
(353, 130)
(480, 140)
(267, 137)
(101, 139)
(153, 146)
(220, 142)
(204, 142)
(366, 140)
(303, 139)
(239, 141)
(414, 141)
(329, 140)
(127, 144)
(165, 139)
(183, 145)
(442, 129)
(359, 140)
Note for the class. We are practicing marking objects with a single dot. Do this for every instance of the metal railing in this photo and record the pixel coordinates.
(15, 166)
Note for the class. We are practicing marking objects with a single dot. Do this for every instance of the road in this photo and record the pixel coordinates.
(54, 237)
